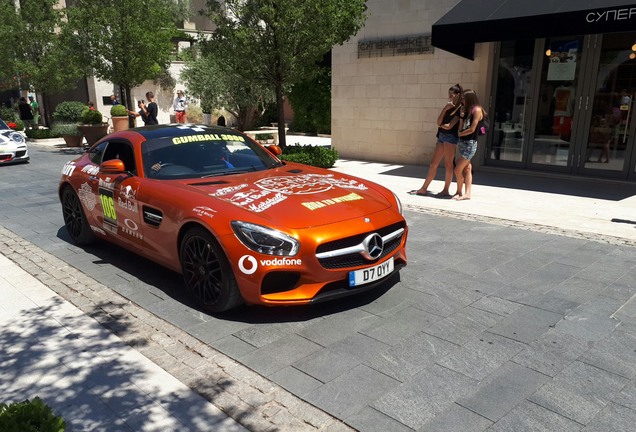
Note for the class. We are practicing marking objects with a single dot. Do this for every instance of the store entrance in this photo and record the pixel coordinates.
(565, 105)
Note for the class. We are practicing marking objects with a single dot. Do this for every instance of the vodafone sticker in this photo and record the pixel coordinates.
(251, 267)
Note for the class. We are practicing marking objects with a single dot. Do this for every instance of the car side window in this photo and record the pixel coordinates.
(122, 151)
(96, 153)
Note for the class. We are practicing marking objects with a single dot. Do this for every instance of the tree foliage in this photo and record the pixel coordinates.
(311, 100)
(280, 42)
(33, 52)
(218, 86)
(125, 42)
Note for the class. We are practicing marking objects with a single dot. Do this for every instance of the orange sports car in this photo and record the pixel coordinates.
(239, 224)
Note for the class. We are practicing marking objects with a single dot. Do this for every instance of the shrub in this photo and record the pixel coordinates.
(194, 114)
(40, 134)
(318, 156)
(69, 112)
(61, 129)
(19, 126)
(8, 114)
(30, 416)
(91, 117)
(118, 111)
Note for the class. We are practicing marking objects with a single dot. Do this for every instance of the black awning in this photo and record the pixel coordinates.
(497, 20)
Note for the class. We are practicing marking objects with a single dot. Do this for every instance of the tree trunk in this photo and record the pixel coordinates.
(282, 139)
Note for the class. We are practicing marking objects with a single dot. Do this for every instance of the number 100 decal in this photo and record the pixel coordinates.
(108, 206)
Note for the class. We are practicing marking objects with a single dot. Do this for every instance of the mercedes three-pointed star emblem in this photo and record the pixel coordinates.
(373, 245)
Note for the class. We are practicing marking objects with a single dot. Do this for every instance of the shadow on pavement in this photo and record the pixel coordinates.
(538, 182)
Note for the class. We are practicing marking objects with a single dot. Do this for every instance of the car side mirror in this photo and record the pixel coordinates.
(113, 166)
(274, 149)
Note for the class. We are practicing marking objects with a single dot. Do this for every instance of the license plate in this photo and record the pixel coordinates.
(371, 274)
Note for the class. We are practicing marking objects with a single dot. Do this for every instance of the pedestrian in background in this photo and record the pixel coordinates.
(26, 113)
(139, 113)
(150, 109)
(180, 105)
(35, 108)
(113, 100)
(471, 113)
(447, 137)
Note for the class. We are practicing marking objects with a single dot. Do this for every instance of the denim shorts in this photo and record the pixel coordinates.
(446, 137)
(467, 149)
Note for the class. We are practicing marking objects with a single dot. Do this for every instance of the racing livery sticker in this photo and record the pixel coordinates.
(248, 264)
(68, 168)
(91, 169)
(98, 230)
(306, 184)
(131, 228)
(126, 199)
(228, 190)
(204, 211)
(106, 183)
(313, 205)
(87, 197)
(108, 206)
(274, 190)
(207, 137)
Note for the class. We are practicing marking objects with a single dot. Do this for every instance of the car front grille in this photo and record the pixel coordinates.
(20, 153)
(336, 254)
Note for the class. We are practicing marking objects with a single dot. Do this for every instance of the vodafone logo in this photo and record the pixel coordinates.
(251, 267)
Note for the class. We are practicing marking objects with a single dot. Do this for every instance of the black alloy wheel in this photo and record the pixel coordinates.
(75, 219)
(207, 272)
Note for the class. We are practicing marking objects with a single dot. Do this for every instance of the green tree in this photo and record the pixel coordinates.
(280, 42)
(125, 42)
(311, 100)
(33, 53)
(210, 79)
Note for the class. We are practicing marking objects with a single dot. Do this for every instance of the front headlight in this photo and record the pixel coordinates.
(399, 203)
(17, 137)
(265, 240)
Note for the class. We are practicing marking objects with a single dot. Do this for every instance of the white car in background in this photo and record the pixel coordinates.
(13, 148)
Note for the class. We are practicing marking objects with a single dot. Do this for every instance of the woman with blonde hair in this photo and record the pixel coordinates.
(471, 114)
(447, 137)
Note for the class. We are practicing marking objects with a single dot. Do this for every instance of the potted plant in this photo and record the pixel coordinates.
(70, 132)
(119, 115)
(92, 126)
(66, 117)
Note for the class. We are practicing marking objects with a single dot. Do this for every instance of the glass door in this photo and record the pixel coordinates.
(607, 146)
(512, 111)
(558, 99)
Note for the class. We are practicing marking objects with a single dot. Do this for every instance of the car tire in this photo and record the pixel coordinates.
(207, 272)
(74, 218)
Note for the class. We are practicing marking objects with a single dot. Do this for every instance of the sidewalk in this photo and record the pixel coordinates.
(86, 374)
(591, 208)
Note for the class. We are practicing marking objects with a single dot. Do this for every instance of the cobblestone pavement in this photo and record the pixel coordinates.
(498, 323)
(244, 395)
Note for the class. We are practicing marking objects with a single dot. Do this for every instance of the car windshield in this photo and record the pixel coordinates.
(3, 125)
(203, 154)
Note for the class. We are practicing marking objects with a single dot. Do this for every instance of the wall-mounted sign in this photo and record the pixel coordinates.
(407, 45)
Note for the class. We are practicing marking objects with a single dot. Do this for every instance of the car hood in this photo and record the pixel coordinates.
(295, 197)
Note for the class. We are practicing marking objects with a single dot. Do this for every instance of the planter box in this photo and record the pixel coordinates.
(73, 140)
(93, 133)
(120, 123)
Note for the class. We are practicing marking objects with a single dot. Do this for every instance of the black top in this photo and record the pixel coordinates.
(26, 113)
(447, 119)
(152, 114)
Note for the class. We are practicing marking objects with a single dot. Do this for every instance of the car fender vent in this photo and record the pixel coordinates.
(152, 217)
(295, 171)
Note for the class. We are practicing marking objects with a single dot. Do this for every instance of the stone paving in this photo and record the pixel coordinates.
(495, 325)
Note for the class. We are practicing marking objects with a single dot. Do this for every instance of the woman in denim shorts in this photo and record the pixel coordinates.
(470, 115)
(448, 127)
